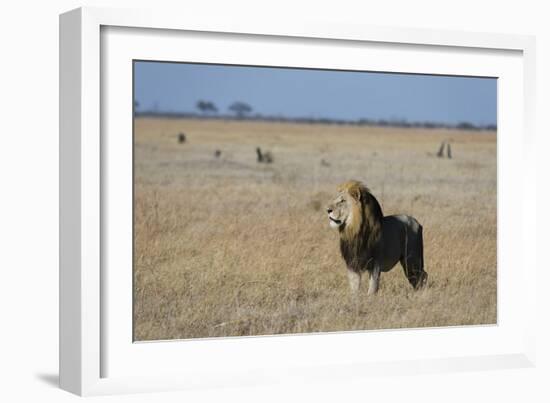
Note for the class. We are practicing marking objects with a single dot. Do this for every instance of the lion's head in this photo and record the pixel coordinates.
(344, 210)
(357, 215)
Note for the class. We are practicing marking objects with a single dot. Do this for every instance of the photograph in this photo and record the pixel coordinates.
(277, 200)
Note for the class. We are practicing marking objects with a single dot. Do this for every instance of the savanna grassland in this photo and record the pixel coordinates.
(225, 246)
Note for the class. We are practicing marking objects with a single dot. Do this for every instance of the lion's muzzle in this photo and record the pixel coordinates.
(335, 223)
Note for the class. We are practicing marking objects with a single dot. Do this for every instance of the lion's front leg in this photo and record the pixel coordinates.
(354, 281)
(374, 280)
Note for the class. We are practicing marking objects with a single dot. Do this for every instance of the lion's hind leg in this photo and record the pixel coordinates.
(414, 272)
(412, 259)
(422, 281)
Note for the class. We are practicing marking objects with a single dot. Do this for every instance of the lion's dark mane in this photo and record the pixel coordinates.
(361, 248)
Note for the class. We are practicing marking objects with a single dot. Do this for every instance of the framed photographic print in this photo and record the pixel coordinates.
(238, 197)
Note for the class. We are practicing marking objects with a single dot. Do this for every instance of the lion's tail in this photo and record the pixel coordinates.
(424, 273)
(421, 248)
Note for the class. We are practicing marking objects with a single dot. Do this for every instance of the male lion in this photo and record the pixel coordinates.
(374, 243)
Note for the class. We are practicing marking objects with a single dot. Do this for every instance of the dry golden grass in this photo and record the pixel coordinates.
(229, 247)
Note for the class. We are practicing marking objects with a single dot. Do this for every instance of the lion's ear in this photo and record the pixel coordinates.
(355, 193)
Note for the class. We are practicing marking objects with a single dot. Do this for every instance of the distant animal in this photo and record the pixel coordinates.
(217, 153)
(373, 243)
(325, 163)
(181, 138)
(441, 150)
(268, 157)
(265, 157)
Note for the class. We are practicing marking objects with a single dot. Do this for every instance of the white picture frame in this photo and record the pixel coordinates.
(96, 355)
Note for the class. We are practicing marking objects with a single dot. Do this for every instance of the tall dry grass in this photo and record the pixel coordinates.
(229, 247)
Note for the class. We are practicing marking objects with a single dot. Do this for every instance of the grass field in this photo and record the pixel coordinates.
(229, 247)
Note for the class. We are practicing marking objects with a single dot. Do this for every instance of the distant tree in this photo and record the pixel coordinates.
(240, 109)
(206, 107)
(466, 126)
(201, 106)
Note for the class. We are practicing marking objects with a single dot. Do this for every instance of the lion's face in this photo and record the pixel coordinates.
(340, 210)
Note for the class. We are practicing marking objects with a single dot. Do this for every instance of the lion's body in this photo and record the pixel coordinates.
(374, 243)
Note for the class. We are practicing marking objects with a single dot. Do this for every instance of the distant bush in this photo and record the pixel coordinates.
(242, 111)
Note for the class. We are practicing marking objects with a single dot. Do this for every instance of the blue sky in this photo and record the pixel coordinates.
(176, 87)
